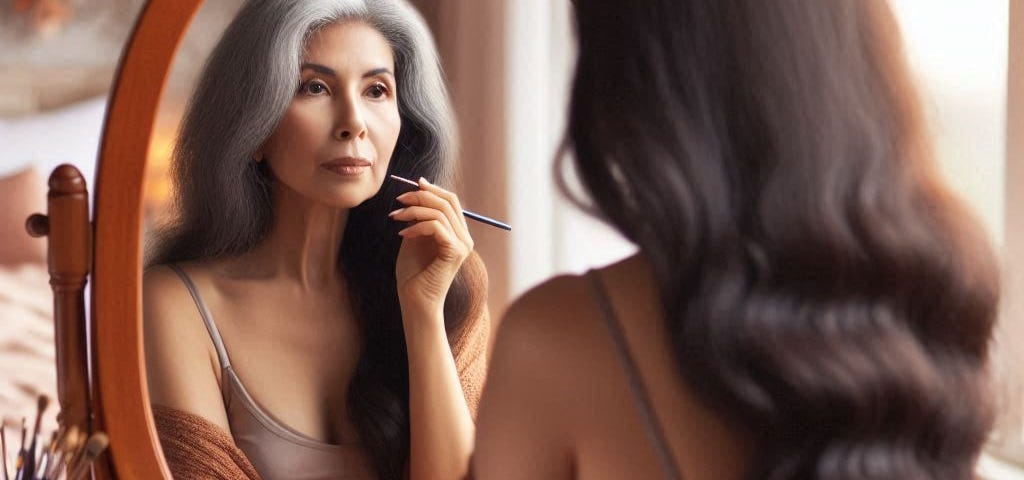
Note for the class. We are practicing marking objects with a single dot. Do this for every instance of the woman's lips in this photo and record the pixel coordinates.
(347, 170)
(348, 167)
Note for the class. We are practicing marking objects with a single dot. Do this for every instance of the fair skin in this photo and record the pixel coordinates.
(282, 308)
(558, 406)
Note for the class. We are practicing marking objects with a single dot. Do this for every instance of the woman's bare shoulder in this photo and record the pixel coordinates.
(552, 298)
(565, 297)
(556, 320)
(541, 347)
(181, 361)
(539, 326)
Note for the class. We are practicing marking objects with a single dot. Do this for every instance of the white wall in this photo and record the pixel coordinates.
(959, 51)
(550, 236)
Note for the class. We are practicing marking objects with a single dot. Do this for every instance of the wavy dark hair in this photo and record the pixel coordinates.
(224, 199)
(822, 288)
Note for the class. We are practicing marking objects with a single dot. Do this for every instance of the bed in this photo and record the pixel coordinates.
(29, 153)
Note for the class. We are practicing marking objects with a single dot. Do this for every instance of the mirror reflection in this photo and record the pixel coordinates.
(327, 317)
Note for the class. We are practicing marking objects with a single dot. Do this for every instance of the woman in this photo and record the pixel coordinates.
(808, 300)
(295, 303)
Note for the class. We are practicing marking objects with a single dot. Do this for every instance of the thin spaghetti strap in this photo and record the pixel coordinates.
(211, 327)
(643, 402)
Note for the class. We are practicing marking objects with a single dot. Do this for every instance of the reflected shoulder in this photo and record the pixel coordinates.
(181, 362)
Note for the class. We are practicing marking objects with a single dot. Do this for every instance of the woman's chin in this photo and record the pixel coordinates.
(348, 199)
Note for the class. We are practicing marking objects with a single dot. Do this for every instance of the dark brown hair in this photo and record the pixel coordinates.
(823, 290)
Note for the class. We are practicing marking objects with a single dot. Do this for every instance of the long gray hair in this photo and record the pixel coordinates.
(223, 197)
(248, 83)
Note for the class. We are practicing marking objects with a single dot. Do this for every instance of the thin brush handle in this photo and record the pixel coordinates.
(81, 468)
(3, 442)
(19, 462)
(41, 465)
(58, 465)
(490, 221)
(468, 214)
(28, 469)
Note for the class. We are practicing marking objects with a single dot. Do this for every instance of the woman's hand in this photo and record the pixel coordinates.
(433, 249)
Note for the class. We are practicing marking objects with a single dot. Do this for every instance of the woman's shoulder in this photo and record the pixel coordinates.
(172, 284)
(565, 307)
(171, 313)
(550, 300)
(566, 296)
(549, 347)
(180, 356)
(163, 291)
(544, 318)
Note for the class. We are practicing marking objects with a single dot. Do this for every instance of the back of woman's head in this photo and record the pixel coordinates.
(822, 289)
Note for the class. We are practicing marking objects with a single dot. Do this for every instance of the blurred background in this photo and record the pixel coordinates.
(508, 63)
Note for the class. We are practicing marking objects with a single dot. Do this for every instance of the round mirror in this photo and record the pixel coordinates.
(152, 88)
(117, 287)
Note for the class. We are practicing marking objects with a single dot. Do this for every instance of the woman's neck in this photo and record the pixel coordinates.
(303, 243)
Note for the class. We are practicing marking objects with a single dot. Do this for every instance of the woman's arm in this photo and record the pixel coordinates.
(441, 424)
(433, 250)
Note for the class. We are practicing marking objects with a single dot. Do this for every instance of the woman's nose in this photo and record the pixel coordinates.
(350, 122)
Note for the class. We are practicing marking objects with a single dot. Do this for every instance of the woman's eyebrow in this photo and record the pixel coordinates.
(377, 71)
(329, 71)
(316, 67)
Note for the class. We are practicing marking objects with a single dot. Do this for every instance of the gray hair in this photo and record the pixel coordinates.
(224, 198)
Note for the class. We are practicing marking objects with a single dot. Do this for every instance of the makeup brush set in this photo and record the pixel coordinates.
(67, 456)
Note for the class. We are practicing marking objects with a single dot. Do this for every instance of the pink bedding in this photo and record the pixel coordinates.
(27, 365)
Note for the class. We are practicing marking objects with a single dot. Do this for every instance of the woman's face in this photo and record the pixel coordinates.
(334, 143)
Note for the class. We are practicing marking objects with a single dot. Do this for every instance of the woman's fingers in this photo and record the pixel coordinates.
(447, 196)
(421, 214)
(448, 205)
(426, 268)
(441, 233)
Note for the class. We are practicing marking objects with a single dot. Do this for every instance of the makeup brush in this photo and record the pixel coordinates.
(30, 459)
(68, 451)
(56, 443)
(475, 216)
(45, 457)
(3, 446)
(93, 448)
(49, 457)
(20, 461)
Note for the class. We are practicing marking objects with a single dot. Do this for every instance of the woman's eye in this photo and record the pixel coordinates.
(377, 91)
(313, 88)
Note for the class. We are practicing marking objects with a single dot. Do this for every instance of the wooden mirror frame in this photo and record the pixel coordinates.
(120, 404)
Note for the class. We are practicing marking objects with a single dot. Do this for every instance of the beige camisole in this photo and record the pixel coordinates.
(277, 451)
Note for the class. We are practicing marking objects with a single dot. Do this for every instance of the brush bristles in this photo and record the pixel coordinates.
(96, 444)
(68, 455)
